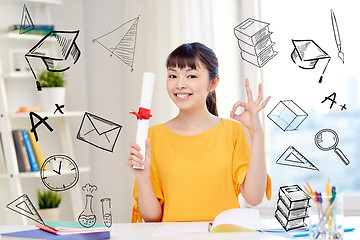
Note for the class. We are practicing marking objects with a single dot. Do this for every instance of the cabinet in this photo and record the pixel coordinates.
(16, 90)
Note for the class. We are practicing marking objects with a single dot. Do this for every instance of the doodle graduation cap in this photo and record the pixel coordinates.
(307, 53)
(66, 52)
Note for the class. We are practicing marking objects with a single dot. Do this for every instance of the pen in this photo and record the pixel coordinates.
(326, 214)
(210, 225)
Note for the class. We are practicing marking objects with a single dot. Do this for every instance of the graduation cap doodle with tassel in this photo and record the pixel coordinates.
(307, 53)
(66, 53)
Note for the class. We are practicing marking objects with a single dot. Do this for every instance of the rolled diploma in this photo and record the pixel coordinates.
(145, 102)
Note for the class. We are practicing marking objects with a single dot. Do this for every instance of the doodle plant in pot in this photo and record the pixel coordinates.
(48, 205)
(53, 90)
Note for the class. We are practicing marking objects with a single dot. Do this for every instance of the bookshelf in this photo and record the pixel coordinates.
(16, 90)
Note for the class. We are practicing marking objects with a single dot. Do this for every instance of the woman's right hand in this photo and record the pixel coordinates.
(136, 159)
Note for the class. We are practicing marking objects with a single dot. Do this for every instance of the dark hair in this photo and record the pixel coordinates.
(186, 55)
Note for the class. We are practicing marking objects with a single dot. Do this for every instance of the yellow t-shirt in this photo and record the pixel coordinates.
(197, 177)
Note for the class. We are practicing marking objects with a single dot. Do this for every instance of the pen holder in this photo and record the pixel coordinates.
(326, 217)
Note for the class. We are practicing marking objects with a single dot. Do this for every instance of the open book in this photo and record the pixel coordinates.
(236, 220)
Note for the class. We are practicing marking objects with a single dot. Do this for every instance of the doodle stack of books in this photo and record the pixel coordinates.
(255, 42)
(292, 207)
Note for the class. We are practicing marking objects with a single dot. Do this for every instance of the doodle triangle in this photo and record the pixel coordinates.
(24, 206)
(120, 42)
(26, 22)
(292, 157)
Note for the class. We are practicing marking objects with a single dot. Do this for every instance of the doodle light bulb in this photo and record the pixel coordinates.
(87, 218)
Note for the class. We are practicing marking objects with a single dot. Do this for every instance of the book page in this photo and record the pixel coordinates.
(238, 219)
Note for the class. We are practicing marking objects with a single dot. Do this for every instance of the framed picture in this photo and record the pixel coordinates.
(17, 63)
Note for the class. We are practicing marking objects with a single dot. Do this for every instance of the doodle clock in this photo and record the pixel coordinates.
(59, 173)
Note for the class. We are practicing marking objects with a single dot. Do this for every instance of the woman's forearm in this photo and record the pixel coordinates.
(149, 206)
(254, 185)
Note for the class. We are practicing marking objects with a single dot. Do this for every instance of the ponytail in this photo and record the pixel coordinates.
(211, 103)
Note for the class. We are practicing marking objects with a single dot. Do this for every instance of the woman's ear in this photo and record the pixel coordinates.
(213, 83)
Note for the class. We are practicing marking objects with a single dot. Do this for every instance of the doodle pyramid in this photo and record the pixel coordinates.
(26, 22)
(24, 206)
(121, 41)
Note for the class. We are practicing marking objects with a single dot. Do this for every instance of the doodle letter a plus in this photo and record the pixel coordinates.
(41, 120)
(331, 98)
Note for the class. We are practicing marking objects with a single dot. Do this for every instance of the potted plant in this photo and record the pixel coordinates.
(48, 205)
(53, 90)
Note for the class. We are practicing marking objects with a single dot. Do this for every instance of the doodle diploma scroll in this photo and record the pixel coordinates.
(143, 115)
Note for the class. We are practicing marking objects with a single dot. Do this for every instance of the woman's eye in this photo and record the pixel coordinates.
(172, 76)
(191, 76)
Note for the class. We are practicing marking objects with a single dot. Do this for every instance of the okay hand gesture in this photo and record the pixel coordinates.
(250, 116)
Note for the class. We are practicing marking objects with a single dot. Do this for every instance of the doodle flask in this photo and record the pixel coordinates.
(87, 218)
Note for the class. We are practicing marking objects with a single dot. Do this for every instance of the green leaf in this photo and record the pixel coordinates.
(48, 199)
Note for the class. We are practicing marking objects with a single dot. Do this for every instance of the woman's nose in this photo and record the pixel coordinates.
(181, 84)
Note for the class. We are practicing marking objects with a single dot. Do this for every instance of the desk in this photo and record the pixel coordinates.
(144, 231)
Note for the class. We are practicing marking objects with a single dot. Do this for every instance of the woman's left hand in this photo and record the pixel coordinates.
(250, 116)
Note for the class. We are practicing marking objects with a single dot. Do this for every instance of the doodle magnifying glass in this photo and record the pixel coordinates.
(327, 139)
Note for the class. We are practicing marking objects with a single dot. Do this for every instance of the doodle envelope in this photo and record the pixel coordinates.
(99, 132)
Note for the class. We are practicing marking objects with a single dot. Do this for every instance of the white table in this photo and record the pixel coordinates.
(144, 231)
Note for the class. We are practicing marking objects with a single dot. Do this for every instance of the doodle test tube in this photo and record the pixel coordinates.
(106, 211)
(144, 115)
(87, 218)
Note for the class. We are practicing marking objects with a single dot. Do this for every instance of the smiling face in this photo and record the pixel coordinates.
(188, 87)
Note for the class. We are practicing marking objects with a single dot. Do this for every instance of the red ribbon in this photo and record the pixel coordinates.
(142, 114)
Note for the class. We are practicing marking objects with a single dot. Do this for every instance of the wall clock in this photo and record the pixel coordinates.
(59, 173)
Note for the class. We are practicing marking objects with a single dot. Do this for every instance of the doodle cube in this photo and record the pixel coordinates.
(287, 115)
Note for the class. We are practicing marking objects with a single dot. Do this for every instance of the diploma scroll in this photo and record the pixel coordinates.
(145, 103)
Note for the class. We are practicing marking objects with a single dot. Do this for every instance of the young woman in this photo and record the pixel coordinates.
(197, 163)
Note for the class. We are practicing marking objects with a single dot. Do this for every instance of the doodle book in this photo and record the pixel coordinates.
(236, 220)
(66, 228)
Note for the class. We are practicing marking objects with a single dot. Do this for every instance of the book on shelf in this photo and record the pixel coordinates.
(41, 234)
(36, 27)
(30, 151)
(21, 153)
(37, 150)
(2, 157)
(32, 32)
